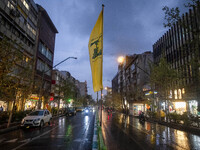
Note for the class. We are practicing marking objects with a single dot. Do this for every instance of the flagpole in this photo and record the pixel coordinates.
(102, 62)
(97, 104)
(101, 108)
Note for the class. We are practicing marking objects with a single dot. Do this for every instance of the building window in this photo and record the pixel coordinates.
(179, 94)
(31, 29)
(10, 5)
(25, 4)
(45, 51)
(175, 94)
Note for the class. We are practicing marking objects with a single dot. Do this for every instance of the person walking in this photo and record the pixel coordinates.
(1, 109)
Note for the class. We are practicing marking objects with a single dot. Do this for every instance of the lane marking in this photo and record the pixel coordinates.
(86, 131)
(26, 140)
(11, 141)
(32, 139)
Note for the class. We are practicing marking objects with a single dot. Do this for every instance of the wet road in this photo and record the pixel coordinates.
(127, 133)
(64, 133)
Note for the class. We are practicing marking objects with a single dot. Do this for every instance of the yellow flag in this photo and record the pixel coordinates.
(96, 53)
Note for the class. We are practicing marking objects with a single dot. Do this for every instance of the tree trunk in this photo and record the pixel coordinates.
(58, 106)
(11, 113)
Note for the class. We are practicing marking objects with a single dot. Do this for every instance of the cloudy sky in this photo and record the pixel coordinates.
(130, 26)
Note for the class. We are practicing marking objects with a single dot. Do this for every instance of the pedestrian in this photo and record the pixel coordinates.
(1, 108)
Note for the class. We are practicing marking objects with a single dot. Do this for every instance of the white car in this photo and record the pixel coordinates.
(37, 118)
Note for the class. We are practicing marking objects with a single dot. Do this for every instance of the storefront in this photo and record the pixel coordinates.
(136, 108)
(178, 107)
(193, 105)
(163, 105)
(4, 105)
(32, 102)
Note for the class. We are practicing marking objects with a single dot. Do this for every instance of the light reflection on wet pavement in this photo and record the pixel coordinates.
(68, 133)
(128, 133)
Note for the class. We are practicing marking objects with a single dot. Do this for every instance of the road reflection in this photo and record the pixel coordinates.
(152, 134)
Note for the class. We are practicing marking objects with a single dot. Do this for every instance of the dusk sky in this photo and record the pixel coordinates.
(130, 26)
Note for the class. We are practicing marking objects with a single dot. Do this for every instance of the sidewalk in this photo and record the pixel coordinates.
(16, 125)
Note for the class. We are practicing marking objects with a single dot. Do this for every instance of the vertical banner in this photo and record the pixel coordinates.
(96, 53)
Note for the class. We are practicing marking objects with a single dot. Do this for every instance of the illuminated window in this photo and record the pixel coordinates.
(25, 4)
(10, 5)
(183, 91)
(175, 94)
(179, 94)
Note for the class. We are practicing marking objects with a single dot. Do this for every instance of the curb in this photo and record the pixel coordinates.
(95, 136)
(9, 129)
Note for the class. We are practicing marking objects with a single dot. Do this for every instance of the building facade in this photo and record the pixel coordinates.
(133, 81)
(44, 55)
(137, 82)
(180, 47)
(29, 25)
(82, 87)
(57, 95)
(18, 22)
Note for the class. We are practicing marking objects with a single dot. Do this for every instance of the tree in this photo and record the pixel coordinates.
(163, 78)
(69, 90)
(172, 16)
(15, 72)
(116, 101)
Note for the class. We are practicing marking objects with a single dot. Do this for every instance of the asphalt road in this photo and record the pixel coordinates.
(64, 133)
(122, 132)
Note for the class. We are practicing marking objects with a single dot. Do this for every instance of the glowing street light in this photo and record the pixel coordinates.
(120, 59)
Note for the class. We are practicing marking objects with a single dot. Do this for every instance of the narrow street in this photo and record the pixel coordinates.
(125, 133)
(73, 133)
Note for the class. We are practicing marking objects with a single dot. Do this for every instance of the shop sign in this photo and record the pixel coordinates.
(34, 97)
(51, 98)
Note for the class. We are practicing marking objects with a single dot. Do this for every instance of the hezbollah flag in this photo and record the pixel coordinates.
(96, 53)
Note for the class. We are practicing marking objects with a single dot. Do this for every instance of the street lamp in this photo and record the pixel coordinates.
(120, 60)
(45, 71)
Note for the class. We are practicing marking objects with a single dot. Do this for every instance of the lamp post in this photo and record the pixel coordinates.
(43, 73)
(120, 61)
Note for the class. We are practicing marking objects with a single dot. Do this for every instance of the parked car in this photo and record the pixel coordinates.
(70, 111)
(37, 118)
(80, 109)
